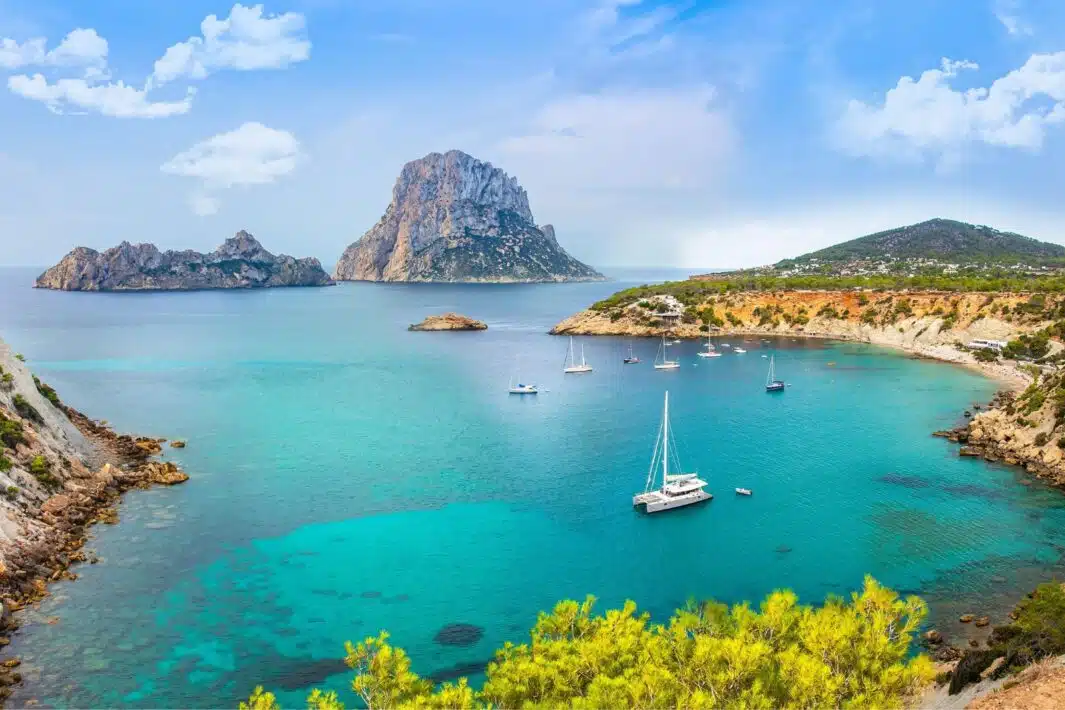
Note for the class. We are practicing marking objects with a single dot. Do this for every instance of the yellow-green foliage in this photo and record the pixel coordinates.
(846, 653)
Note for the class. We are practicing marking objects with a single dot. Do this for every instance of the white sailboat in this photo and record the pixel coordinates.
(520, 387)
(573, 367)
(710, 351)
(665, 363)
(631, 359)
(677, 489)
(772, 384)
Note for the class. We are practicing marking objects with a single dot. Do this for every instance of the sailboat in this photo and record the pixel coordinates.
(631, 359)
(678, 489)
(573, 367)
(520, 388)
(665, 363)
(772, 384)
(710, 351)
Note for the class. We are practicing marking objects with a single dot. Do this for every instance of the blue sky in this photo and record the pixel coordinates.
(658, 133)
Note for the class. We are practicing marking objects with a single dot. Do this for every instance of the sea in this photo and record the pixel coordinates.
(349, 476)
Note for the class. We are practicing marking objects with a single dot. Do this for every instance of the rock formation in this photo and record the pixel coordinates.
(455, 218)
(241, 262)
(60, 472)
(449, 321)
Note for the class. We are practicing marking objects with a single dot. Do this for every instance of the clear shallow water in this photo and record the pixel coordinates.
(350, 476)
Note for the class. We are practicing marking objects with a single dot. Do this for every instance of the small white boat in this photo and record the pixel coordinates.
(743, 491)
(631, 359)
(738, 351)
(725, 345)
(710, 351)
(664, 363)
(678, 489)
(520, 387)
(765, 356)
(675, 341)
(573, 368)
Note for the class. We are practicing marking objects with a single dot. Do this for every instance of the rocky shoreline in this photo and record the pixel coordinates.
(70, 473)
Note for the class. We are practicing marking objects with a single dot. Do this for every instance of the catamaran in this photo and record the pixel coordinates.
(710, 351)
(631, 359)
(678, 489)
(665, 363)
(772, 384)
(573, 367)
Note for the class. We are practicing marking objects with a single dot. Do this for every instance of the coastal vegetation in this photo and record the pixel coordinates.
(845, 653)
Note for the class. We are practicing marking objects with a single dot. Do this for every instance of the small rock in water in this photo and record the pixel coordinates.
(998, 579)
(983, 621)
(974, 643)
(371, 595)
(966, 618)
(933, 637)
(459, 635)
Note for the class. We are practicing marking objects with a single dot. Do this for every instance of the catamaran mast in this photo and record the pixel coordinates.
(665, 441)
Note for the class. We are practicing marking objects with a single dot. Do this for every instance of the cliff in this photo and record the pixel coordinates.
(454, 218)
(59, 473)
(241, 262)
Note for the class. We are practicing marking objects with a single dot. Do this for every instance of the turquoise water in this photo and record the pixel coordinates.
(349, 476)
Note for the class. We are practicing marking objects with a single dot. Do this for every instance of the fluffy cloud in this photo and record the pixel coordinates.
(245, 40)
(655, 138)
(80, 48)
(253, 154)
(115, 99)
(926, 117)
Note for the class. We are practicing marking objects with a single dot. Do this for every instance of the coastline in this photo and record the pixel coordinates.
(1010, 376)
(71, 473)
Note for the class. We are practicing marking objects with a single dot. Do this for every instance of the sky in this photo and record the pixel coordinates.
(695, 133)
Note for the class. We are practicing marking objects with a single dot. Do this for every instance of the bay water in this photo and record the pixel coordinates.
(350, 476)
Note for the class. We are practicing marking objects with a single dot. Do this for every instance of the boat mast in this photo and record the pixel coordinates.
(769, 378)
(571, 350)
(582, 354)
(665, 442)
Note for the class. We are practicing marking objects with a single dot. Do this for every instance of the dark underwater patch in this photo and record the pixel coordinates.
(459, 670)
(298, 673)
(371, 595)
(898, 479)
(458, 635)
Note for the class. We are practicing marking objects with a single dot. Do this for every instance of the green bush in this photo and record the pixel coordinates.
(869, 316)
(26, 410)
(732, 319)
(47, 392)
(863, 300)
(10, 432)
(1042, 438)
(41, 469)
(11, 492)
(985, 355)
(5, 464)
(852, 653)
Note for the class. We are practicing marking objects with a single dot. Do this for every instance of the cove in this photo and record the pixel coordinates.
(349, 476)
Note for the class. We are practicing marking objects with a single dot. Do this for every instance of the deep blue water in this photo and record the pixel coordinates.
(349, 476)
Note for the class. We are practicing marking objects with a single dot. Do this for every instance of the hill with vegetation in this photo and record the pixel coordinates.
(938, 240)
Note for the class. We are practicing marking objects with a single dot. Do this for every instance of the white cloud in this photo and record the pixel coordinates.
(1008, 13)
(926, 117)
(80, 48)
(252, 154)
(656, 138)
(245, 40)
(115, 99)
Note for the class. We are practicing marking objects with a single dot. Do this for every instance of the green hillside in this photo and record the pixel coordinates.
(941, 239)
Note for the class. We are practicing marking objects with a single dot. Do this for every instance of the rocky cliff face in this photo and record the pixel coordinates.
(455, 218)
(241, 262)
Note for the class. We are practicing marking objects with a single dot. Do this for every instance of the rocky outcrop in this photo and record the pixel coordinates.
(241, 262)
(60, 472)
(449, 321)
(455, 218)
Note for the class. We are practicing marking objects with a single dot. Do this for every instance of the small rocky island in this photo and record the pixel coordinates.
(454, 218)
(241, 262)
(449, 321)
